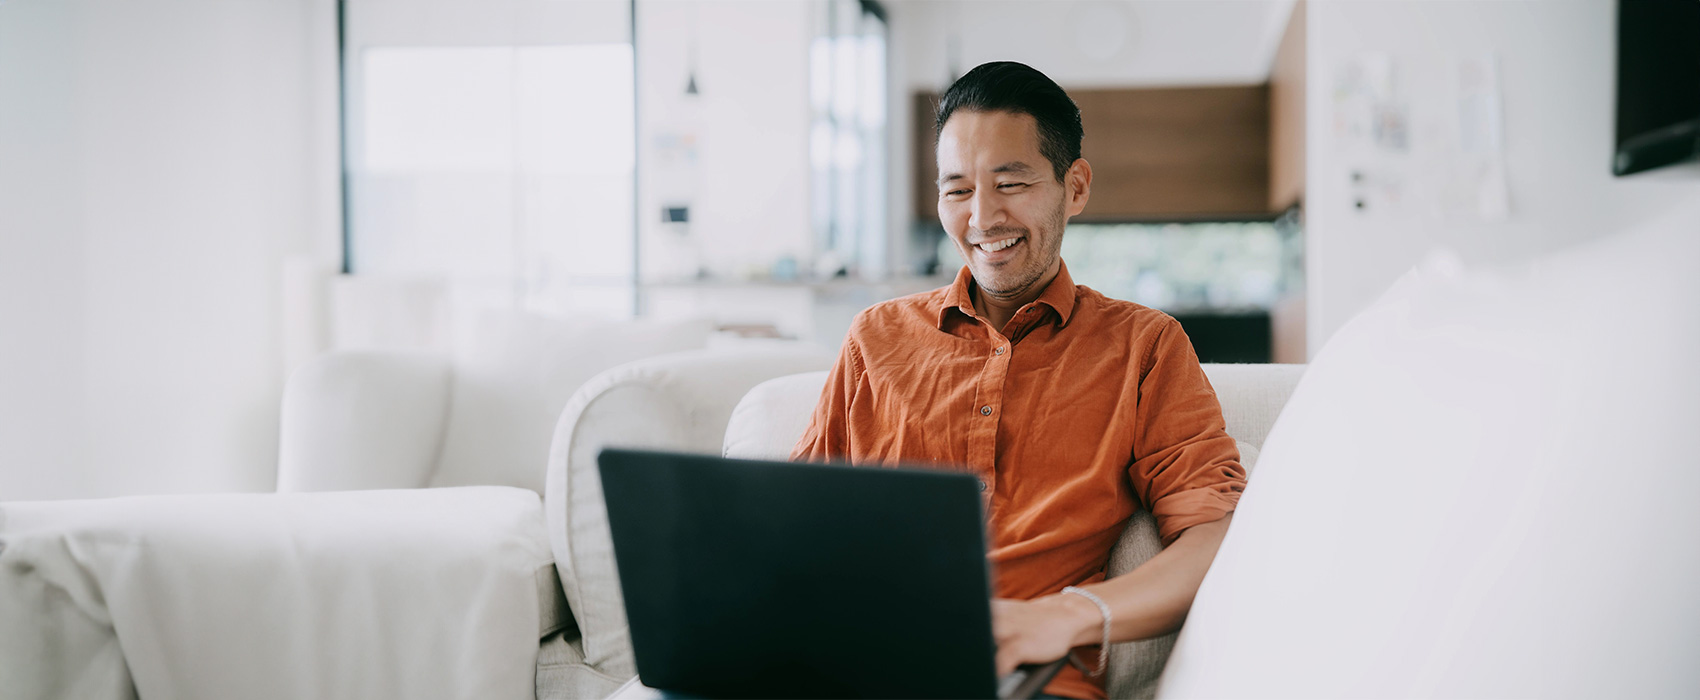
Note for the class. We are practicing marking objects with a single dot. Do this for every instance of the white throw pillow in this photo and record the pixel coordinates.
(1482, 487)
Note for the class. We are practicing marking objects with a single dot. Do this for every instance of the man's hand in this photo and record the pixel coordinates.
(1042, 630)
(1149, 601)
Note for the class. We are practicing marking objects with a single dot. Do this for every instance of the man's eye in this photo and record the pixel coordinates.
(1011, 185)
(956, 193)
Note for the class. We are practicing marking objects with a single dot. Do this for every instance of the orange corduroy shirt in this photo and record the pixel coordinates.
(1075, 414)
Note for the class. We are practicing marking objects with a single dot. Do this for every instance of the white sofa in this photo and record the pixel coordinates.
(704, 397)
(355, 580)
(1482, 486)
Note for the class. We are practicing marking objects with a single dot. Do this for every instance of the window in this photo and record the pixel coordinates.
(847, 149)
(1232, 285)
(1186, 267)
(504, 169)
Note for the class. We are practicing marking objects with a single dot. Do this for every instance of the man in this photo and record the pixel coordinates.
(1073, 409)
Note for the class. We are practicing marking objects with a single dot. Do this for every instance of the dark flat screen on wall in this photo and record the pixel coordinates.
(1658, 83)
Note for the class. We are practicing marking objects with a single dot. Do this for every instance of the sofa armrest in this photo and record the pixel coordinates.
(410, 593)
(678, 402)
(363, 420)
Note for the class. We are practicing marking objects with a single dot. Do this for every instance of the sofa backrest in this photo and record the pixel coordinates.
(513, 374)
(481, 415)
(771, 418)
(358, 420)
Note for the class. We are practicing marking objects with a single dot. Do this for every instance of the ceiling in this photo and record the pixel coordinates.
(1090, 43)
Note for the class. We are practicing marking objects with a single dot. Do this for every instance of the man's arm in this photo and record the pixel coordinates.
(828, 436)
(1187, 470)
(1149, 601)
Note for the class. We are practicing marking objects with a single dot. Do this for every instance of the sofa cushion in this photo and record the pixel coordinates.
(1482, 487)
(771, 418)
(513, 373)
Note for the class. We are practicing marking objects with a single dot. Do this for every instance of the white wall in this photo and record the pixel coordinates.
(1556, 63)
(158, 162)
(1093, 43)
(749, 186)
(41, 338)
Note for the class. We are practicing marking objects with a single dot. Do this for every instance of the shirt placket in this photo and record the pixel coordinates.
(988, 408)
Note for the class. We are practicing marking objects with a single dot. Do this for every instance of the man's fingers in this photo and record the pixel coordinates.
(1017, 652)
(1001, 625)
(1021, 635)
(1007, 662)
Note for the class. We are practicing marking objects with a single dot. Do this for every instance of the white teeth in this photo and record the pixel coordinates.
(998, 245)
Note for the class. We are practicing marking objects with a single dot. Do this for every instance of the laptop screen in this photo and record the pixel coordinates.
(772, 579)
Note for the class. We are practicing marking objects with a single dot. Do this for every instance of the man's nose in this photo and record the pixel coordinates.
(984, 212)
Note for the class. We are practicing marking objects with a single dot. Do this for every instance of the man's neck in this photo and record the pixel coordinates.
(999, 311)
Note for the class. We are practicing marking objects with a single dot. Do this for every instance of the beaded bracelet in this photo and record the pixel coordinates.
(1104, 649)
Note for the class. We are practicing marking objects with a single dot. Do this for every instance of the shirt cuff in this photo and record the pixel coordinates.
(1178, 511)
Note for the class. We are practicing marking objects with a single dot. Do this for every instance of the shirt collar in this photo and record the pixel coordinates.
(1060, 296)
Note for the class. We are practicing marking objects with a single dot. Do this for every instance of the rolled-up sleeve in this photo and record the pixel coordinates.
(1186, 469)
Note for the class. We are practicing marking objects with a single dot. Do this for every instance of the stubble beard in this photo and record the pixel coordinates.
(1022, 282)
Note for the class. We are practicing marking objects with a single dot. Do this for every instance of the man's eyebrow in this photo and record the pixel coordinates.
(1014, 166)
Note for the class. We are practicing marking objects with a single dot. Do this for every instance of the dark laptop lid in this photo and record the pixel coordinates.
(771, 579)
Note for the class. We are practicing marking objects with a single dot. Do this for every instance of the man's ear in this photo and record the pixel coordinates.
(1079, 182)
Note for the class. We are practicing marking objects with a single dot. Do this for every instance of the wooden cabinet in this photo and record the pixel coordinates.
(1287, 116)
(1156, 153)
(1176, 153)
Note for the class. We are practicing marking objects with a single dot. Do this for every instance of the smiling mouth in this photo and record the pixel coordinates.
(995, 246)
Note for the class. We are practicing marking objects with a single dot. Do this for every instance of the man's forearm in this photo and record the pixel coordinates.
(1149, 601)
(1153, 599)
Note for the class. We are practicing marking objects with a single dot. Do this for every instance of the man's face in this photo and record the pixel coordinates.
(1001, 202)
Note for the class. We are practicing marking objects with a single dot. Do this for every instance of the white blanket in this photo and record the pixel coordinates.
(424, 593)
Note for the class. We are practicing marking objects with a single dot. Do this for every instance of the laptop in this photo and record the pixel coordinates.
(772, 579)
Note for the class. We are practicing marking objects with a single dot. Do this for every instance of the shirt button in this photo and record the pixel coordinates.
(998, 351)
(985, 410)
(982, 485)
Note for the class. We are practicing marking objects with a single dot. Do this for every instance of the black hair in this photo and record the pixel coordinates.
(1007, 86)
